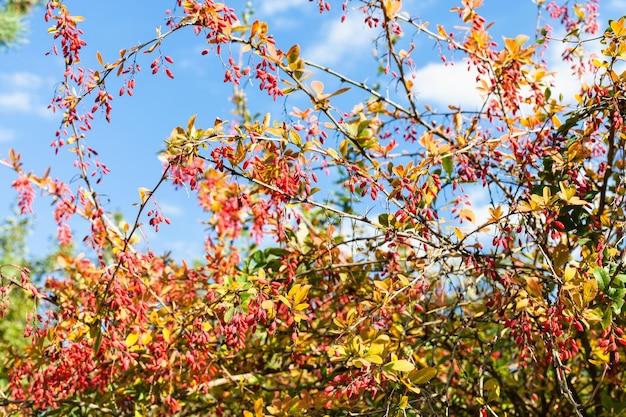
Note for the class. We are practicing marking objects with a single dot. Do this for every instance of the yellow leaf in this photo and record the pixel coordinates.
(375, 359)
(166, 334)
(339, 323)
(618, 27)
(190, 123)
(144, 194)
(301, 306)
(403, 280)
(360, 363)
(413, 388)
(392, 7)
(400, 365)
(560, 256)
(293, 290)
(521, 304)
(423, 375)
(570, 273)
(99, 57)
(378, 346)
(146, 338)
(258, 407)
(301, 294)
(381, 285)
(404, 402)
(285, 301)
(332, 153)
(590, 290)
(131, 339)
(593, 316)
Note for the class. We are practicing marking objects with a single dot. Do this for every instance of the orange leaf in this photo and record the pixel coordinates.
(318, 87)
(467, 214)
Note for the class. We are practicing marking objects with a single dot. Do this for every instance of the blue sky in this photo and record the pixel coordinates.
(129, 145)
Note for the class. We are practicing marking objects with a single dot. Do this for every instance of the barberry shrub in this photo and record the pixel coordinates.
(377, 283)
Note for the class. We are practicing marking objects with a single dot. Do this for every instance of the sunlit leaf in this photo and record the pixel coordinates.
(467, 214)
(400, 365)
(132, 339)
(590, 289)
(318, 87)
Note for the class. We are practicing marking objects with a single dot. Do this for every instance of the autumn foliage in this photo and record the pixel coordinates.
(346, 270)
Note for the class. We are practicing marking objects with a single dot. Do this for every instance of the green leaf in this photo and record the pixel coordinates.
(98, 336)
(448, 165)
(276, 252)
(229, 314)
(607, 318)
(602, 277)
(617, 306)
(583, 241)
(362, 126)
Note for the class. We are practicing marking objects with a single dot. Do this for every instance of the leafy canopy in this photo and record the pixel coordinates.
(347, 269)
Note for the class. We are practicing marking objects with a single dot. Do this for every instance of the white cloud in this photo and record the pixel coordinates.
(454, 85)
(16, 101)
(23, 92)
(565, 81)
(341, 42)
(7, 135)
(21, 80)
(447, 85)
